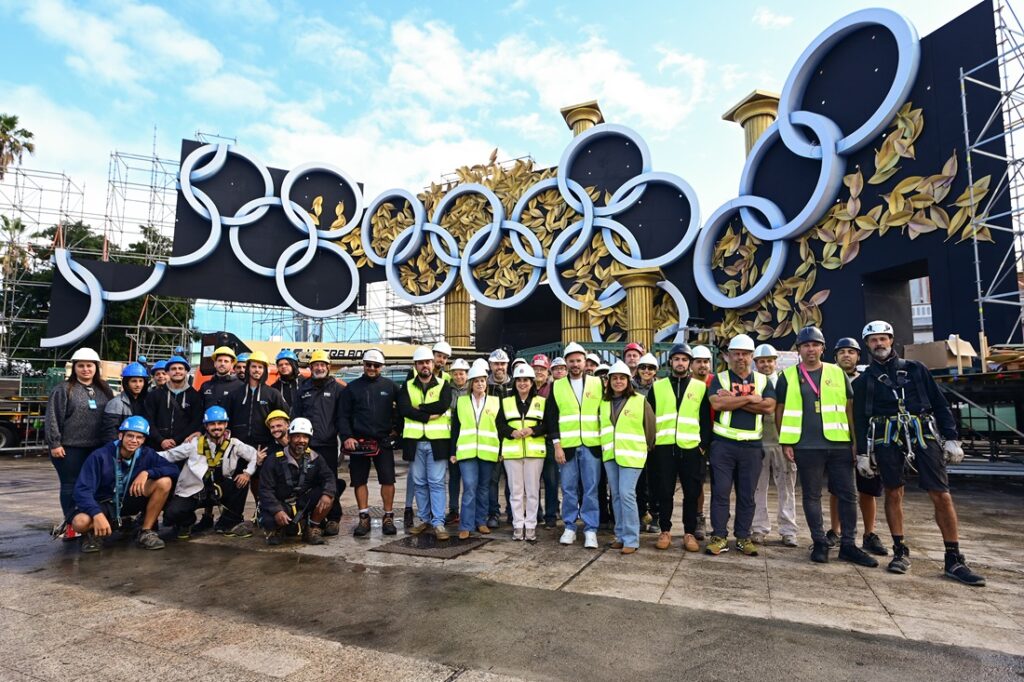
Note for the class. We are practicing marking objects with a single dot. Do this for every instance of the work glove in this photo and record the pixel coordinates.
(953, 451)
(864, 466)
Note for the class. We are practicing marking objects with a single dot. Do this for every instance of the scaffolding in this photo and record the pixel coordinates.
(998, 139)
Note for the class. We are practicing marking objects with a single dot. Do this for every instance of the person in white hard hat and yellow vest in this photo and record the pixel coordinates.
(442, 351)
(460, 386)
(425, 402)
(477, 447)
(740, 398)
(521, 428)
(627, 428)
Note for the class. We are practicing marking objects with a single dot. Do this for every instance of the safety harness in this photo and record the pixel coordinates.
(305, 466)
(212, 491)
(903, 430)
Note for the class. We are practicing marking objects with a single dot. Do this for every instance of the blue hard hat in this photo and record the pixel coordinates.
(287, 354)
(160, 364)
(215, 413)
(178, 360)
(135, 423)
(134, 369)
(142, 359)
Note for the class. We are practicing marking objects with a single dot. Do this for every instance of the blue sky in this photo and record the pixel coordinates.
(399, 93)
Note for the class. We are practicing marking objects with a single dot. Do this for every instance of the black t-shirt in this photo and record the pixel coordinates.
(812, 435)
(741, 419)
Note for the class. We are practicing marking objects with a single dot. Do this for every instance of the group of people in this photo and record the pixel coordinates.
(607, 442)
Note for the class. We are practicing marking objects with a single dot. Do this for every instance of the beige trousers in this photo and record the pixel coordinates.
(524, 486)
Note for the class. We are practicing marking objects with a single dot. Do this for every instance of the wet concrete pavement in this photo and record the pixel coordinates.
(222, 608)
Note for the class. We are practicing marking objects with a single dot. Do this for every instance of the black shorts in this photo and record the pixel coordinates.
(383, 463)
(929, 462)
(867, 486)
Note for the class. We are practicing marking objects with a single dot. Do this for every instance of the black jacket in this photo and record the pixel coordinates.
(368, 409)
(274, 481)
(679, 387)
(318, 402)
(119, 409)
(921, 391)
(248, 412)
(217, 391)
(439, 447)
(172, 416)
(289, 390)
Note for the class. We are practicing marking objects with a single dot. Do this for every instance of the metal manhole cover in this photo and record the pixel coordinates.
(428, 546)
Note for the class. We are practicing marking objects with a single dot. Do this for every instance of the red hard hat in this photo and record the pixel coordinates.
(541, 360)
(634, 346)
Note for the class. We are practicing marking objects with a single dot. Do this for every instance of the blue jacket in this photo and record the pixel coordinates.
(95, 483)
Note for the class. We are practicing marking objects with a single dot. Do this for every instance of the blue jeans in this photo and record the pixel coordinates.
(68, 468)
(586, 469)
(428, 477)
(549, 477)
(410, 487)
(622, 487)
(476, 481)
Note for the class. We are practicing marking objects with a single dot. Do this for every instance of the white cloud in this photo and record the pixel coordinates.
(227, 91)
(531, 127)
(431, 63)
(253, 11)
(765, 18)
(320, 41)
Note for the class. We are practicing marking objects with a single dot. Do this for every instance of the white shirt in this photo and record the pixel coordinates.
(577, 387)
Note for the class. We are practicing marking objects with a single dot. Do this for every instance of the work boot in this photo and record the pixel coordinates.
(451, 518)
(664, 540)
(957, 569)
(758, 538)
(615, 544)
(91, 543)
(628, 550)
(483, 530)
(185, 532)
(407, 518)
(550, 525)
(273, 537)
(900, 559)
(148, 539)
(387, 527)
(363, 527)
(332, 528)
(819, 553)
(463, 535)
(440, 533)
(313, 535)
(831, 538)
(421, 528)
(716, 545)
(239, 530)
(873, 544)
(855, 555)
(690, 543)
(492, 521)
(746, 546)
(205, 524)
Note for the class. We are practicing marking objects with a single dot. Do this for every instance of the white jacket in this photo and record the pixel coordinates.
(190, 481)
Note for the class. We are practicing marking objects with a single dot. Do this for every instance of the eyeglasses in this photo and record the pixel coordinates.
(372, 365)
(647, 368)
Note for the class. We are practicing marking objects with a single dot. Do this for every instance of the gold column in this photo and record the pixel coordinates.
(640, 285)
(755, 113)
(580, 118)
(456, 316)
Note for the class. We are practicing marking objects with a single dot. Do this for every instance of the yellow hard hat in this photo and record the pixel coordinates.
(258, 356)
(320, 356)
(276, 414)
(223, 350)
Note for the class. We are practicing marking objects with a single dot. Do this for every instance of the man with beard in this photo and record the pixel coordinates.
(287, 382)
(175, 410)
(499, 384)
(218, 389)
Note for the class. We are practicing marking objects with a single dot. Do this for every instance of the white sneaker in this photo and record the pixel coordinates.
(590, 539)
(517, 533)
(568, 537)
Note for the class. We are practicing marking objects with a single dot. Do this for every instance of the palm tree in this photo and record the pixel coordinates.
(16, 253)
(14, 142)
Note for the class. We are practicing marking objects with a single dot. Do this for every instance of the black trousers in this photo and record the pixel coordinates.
(669, 464)
(330, 451)
(181, 511)
(813, 465)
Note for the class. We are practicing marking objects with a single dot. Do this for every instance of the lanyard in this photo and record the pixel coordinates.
(213, 458)
(810, 381)
(120, 482)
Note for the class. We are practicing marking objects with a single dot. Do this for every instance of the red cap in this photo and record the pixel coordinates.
(541, 360)
(634, 346)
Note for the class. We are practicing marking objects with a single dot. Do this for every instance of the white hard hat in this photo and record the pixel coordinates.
(765, 350)
(648, 359)
(442, 347)
(498, 355)
(518, 361)
(477, 371)
(604, 368)
(741, 342)
(594, 357)
(480, 362)
(573, 347)
(619, 367)
(524, 371)
(558, 362)
(373, 355)
(301, 425)
(701, 353)
(85, 355)
(460, 364)
(876, 327)
(422, 353)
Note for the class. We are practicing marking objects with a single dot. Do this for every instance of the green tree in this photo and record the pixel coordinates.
(14, 142)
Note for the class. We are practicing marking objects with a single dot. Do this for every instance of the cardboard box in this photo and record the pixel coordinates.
(942, 354)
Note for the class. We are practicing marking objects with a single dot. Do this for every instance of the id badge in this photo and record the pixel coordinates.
(817, 407)
(92, 404)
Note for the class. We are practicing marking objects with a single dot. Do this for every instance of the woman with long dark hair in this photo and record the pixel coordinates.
(74, 419)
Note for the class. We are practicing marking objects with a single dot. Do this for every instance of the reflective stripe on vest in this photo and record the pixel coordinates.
(624, 441)
(435, 429)
(834, 423)
(518, 448)
(678, 424)
(723, 420)
(478, 439)
(577, 424)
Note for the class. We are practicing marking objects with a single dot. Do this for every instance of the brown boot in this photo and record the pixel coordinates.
(690, 543)
(483, 530)
(463, 534)
(416, 530)
(629, 550)
(664, 540)
(440, 533)
(314, 535)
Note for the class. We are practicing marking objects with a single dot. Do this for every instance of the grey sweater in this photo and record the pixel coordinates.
(70, 421)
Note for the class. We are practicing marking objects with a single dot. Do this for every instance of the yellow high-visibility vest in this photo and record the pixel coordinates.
(679, 424)
(478, 438)
(833, 399)
(723, 419)
(577, 422)
(435, 429)
(518, 448)
(624, 441)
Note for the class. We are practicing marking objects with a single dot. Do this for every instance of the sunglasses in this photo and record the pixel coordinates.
(372, 365)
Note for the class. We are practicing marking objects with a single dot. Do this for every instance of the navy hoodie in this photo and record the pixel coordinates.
(96, 481)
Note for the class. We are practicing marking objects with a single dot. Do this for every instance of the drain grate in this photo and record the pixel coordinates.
(429, 546)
